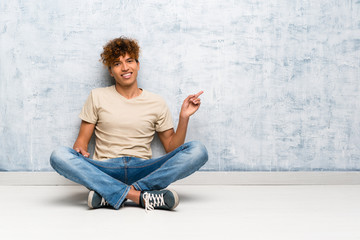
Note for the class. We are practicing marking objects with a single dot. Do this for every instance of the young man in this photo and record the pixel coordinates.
(125, 119)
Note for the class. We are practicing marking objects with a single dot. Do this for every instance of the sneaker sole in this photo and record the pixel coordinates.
(176, 196)
(90, 197)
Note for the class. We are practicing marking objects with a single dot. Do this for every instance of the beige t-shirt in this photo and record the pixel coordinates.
(125, 127)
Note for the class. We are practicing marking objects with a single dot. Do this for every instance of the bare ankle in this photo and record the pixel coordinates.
(134, 195)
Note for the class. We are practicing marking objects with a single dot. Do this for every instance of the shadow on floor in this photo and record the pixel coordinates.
(71, 198)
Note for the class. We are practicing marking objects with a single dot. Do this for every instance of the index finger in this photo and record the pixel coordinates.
(198, 94)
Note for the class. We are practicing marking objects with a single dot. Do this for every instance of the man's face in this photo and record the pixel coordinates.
(125, 70)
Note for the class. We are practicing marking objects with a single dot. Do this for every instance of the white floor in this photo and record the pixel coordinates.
(205, 212)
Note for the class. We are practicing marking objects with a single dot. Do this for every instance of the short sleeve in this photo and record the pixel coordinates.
(88, 112)
(165, 121)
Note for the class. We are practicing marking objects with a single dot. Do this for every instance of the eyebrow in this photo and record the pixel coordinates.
(130, 58)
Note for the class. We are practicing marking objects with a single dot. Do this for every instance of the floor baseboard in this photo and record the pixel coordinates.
(203, 178)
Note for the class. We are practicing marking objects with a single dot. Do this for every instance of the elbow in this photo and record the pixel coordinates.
(172, 146)
(168, 149)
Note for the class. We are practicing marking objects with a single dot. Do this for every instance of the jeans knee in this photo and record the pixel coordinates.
(58, 156)
(200, 152)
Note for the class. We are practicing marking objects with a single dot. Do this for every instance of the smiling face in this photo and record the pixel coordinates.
(124, 70)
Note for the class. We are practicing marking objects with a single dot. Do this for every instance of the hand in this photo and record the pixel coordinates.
(190, 105)
(82, 151)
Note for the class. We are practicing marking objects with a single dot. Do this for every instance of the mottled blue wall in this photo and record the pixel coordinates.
(281, 78)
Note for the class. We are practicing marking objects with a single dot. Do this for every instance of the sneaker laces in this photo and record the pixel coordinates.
(153, 200)
(104, 202)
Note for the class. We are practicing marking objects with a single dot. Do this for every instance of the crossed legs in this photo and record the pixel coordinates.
(126, 177)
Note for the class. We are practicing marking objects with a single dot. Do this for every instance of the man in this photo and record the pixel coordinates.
(125, 119)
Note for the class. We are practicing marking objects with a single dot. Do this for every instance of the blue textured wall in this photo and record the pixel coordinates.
(281, 78)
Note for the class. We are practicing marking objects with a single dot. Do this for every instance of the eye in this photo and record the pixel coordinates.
(130, 60)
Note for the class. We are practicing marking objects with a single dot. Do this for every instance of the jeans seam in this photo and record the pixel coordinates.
(138, 186)
(117, 203)
(125, 171)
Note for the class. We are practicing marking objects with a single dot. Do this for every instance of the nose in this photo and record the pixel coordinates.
(124, 67)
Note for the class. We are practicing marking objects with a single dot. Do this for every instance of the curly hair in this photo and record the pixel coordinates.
(119, 47)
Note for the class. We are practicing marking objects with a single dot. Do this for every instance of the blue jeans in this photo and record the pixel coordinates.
(112, 178)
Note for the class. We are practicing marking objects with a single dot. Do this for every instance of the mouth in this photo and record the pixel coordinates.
(126, 75)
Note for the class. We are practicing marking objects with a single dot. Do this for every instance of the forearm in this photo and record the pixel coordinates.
(83, 139)
(178, 137)
(172, 140)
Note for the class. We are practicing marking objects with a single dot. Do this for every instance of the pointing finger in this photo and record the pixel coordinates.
(198, 94)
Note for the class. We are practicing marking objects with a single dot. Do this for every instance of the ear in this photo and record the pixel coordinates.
(109, 69)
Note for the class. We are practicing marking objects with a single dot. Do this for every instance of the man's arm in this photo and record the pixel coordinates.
(83, 139)
(170, 139)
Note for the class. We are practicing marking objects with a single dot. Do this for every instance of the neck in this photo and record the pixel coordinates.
(128, 92)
